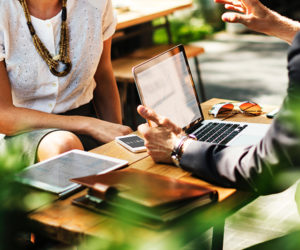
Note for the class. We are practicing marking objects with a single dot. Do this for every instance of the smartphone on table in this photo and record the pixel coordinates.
(273, 113)
(134, 143)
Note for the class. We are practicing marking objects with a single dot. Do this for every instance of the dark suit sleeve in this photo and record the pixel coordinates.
(257, 167)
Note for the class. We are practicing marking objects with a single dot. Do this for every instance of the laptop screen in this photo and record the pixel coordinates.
(165, 84)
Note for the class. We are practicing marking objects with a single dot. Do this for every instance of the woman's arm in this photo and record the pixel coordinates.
(14, 120)
(106, 94)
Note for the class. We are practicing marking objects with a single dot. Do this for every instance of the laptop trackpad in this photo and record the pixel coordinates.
(245, 140)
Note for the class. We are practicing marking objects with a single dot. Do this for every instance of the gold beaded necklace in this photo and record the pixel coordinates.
(63, 56)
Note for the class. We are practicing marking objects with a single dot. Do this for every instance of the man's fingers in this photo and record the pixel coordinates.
(232, 17)
(148, 114)
(143, 129)
(224, 1)
(236, 3)
(170, 125)
(234, 8)
(251, 3)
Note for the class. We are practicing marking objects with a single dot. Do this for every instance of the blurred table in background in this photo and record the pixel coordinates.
(134, 12)
(134, 28)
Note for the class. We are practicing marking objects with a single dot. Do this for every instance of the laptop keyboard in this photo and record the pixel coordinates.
(220, 133)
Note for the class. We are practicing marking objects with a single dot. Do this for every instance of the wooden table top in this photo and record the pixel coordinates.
(68, 223)
(140, 11)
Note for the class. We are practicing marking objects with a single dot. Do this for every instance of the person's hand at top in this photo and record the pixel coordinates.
(254, 15)
(160, 138)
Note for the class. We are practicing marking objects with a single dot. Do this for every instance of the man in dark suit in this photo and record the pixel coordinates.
(258, 167)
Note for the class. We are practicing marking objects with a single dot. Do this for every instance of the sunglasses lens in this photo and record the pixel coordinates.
(221, 109)
(226, 109)
(251, 108)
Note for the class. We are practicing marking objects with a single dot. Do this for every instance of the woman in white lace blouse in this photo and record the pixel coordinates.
(56, 75)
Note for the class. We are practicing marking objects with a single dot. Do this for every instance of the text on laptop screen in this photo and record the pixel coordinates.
(167, 88)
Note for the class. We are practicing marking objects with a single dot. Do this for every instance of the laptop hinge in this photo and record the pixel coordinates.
(193, 128)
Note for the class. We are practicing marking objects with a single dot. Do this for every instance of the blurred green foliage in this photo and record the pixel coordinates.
(15, 199)
(183, 33)
(198, 23)
(11, 161)
(11, 196)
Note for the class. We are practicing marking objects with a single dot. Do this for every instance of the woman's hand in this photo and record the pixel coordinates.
(104, 131)
(160, 138)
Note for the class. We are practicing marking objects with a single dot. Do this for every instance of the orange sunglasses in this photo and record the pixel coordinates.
(228, 108)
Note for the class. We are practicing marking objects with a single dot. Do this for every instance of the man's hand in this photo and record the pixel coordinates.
(254, 15)
(161, 138)
(160, 121)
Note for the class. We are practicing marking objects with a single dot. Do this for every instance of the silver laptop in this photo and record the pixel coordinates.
(165, 84)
